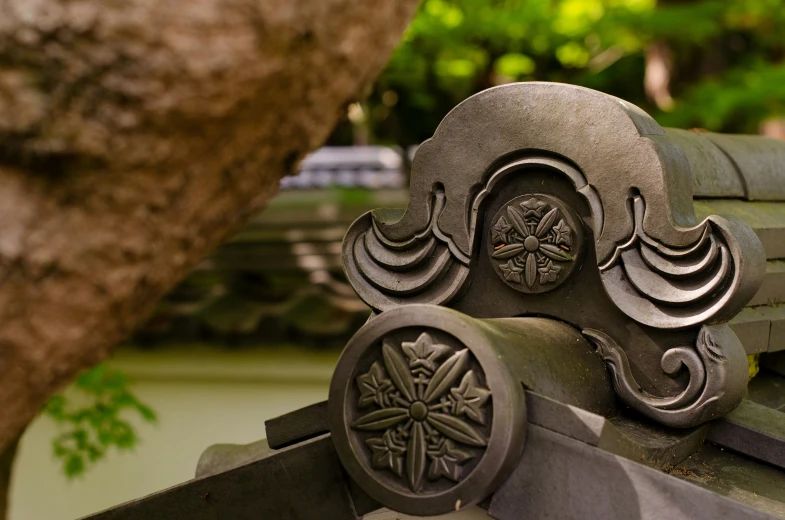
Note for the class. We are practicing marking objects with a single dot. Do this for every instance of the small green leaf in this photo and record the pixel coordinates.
(146, 412)
(74, 466)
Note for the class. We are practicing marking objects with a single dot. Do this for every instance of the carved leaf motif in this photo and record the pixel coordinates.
(517, 220)
(555, 253)
(446, 375)
(500, 230)
(541, 239)
(549, 272)
(456, 429)
(531, 270)
(399, 370)
(373, 385)
(381, 419)
(415, 432)
(387, 454)
(470, 398)
(508, 251)
(511, 271)
(446, 461)
(563, 233)
(424, 352)
(533, 207)
(546, 223)
(415, 457)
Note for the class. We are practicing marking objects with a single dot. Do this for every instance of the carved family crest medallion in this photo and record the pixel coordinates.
(534, 242)
(424, 413)
(426, 406)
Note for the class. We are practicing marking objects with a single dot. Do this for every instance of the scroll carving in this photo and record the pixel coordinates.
(716, 369)
(657, 264)
(387, 273)
(668, 287)
(428, 267)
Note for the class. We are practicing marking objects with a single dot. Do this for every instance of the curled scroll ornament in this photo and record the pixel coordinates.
(651, 282)
(428, 267)
(655, 265)
(387, 274)
(666, 287)
(717, 377)
(656, 284)
(617, 150)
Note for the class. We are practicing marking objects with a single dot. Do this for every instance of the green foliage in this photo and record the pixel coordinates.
(740, 99)
(91, 419)
(727, 71)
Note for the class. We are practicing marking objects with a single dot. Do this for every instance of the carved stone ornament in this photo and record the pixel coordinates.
(423, 413)
(426, 406)
(534, 243)
(659, 275)
(715, 363)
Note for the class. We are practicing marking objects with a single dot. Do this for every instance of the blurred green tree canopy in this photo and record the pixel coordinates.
(723, 60)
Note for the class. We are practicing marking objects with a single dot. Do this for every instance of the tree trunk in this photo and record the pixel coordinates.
(6, 467)
(134, 137)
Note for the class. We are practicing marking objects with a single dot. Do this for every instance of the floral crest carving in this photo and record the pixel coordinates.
(428, 409)
(532, 243)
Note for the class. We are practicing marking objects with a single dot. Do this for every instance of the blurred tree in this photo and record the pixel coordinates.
(134, 137)
(713, 64)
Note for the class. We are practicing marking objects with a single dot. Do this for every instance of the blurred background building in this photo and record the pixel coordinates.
(255, 330)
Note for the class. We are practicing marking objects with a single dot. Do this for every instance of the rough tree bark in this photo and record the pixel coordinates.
(6, 469)
(135, 136)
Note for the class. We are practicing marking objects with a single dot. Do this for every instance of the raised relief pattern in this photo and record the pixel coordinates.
(429, 407)
(533, 243)
(658, 265)
(706, 363)
(388, 273)
(669, 287)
